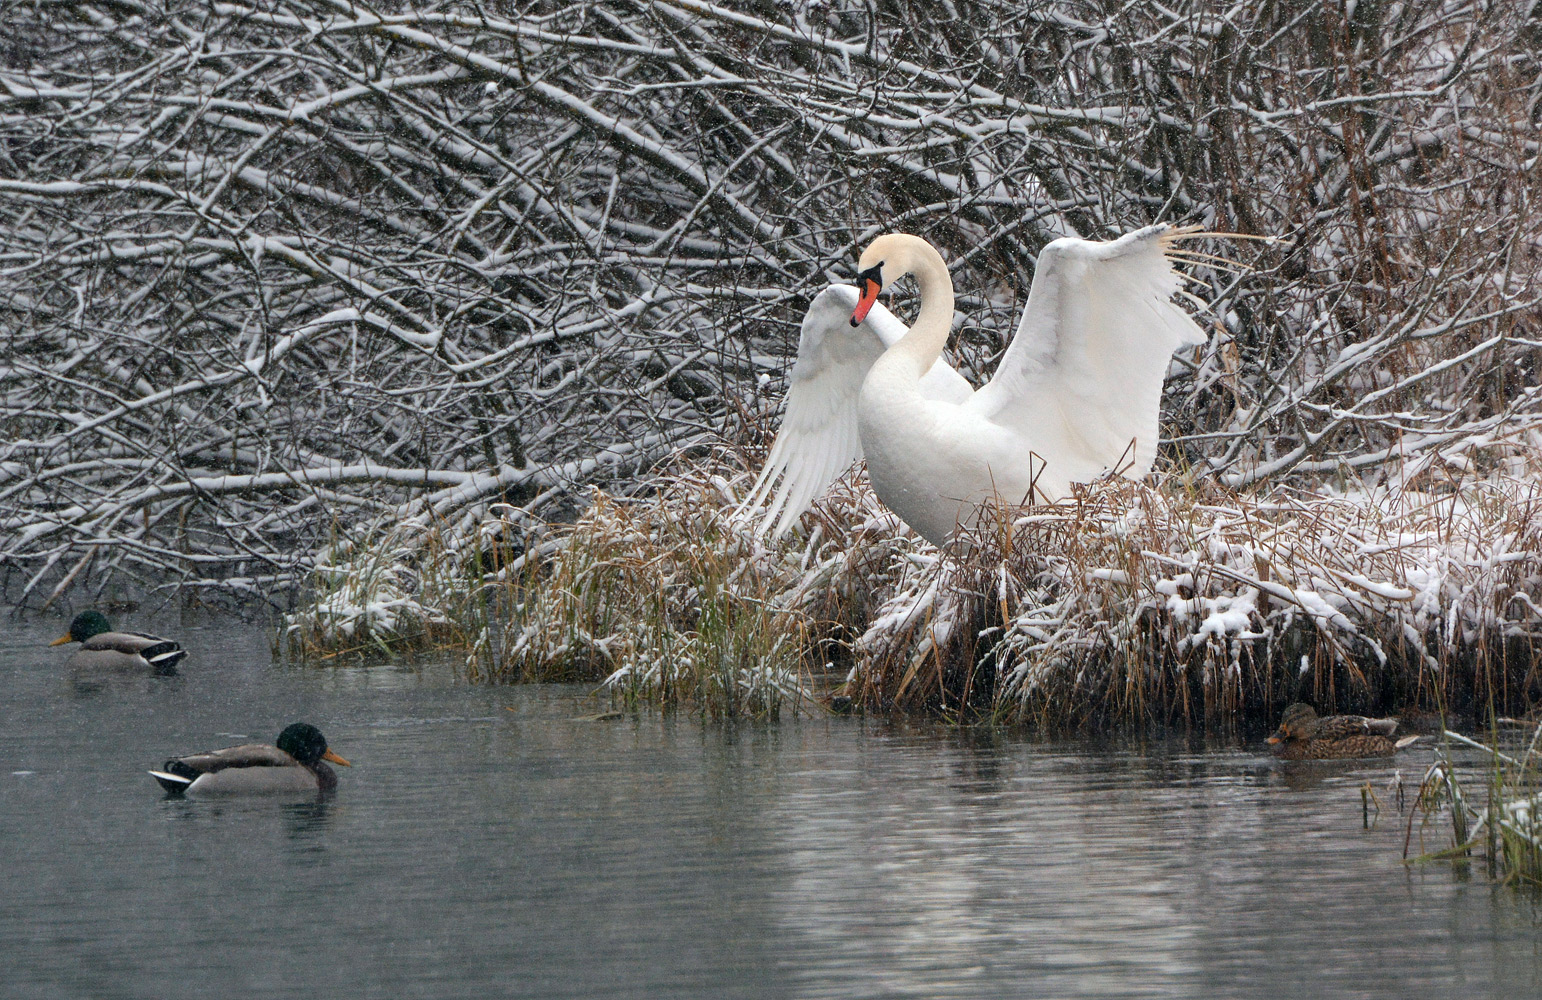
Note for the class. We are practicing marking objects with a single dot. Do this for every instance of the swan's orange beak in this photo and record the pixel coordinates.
(870, 282)
(334, 758)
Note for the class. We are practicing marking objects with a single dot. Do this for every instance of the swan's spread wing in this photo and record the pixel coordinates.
(818, 438)
(1083, 376)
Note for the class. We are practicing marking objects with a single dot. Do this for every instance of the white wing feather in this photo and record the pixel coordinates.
(1086, 366)
(818, 438)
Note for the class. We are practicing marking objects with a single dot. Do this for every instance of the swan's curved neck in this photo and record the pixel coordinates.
(929, 333)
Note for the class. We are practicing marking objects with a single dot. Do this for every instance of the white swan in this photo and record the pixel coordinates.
(1077, 394)
(818, 438)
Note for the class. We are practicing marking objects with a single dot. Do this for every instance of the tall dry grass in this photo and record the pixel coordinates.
(1131, 604)
(403, 589)
(1500, 819)
(672, 599)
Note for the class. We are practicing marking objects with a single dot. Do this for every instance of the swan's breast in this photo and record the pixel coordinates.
(924, 459)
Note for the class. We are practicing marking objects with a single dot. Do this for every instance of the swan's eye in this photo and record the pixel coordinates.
(873, 274)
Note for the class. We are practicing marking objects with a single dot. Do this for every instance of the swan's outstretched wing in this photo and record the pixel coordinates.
(818, 438)
(1082, 378)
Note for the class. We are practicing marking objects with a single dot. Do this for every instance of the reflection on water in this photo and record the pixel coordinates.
(89, 683)
(494, 842)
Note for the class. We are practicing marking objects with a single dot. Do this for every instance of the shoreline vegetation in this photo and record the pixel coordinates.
(1129, 605)
(272, 329)
(1498, 818)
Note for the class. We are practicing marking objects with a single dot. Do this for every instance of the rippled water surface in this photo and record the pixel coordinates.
(491, 842)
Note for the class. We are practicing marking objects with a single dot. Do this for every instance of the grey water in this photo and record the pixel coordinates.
(493, 842)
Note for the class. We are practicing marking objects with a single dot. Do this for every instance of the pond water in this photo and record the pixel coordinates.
(490, 842)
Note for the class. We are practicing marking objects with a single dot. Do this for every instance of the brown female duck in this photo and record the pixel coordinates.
(1303, 735)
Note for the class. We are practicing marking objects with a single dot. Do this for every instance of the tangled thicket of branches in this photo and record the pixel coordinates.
(266, 269)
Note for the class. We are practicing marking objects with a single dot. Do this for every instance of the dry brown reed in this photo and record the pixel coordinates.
(673, 599)
(402, 589)
(1501, 820)
(1130, 604)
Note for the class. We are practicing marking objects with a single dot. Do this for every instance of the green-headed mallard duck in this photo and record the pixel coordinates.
(1303, 735)
(103, 649)
(293, 765)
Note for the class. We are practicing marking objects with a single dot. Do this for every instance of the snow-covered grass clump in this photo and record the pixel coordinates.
(1127, 604)
(1502, 822)
(1132, 603)
(404, 587)
(673, 599)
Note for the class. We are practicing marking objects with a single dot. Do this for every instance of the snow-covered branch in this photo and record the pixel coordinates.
(270, 268)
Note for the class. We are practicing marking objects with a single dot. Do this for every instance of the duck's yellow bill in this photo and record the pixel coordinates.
(334, 758)
(1272, 739)
(61, 640)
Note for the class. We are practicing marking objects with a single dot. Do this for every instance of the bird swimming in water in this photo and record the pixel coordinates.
(293, 764)
(102, 649)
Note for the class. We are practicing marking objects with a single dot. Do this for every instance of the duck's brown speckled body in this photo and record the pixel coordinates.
(1304, 735)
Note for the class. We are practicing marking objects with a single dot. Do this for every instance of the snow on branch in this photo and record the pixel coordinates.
(270, 268)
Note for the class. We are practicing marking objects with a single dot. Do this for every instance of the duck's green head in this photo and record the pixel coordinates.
(304, 743)
(85, 625)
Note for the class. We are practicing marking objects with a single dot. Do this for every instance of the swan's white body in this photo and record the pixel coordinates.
(819, 439)
(1078, 392)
